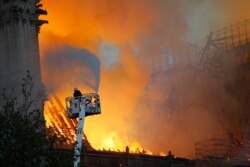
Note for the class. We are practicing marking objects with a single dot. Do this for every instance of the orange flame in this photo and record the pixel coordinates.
(55, 117)
(86, 24)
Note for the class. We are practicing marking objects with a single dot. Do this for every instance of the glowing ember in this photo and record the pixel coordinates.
(162, 153)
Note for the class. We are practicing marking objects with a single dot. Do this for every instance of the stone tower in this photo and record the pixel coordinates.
(19, 51)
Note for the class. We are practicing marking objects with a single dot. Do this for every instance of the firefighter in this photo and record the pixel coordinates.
(77, 93)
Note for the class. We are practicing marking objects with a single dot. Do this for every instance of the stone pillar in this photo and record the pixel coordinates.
(19, 50)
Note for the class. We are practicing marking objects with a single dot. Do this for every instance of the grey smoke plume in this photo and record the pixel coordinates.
(178, 108)
(176, 111)
(75, 67)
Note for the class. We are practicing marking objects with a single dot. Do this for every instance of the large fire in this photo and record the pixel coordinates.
(109, 130)
(126, 36)
(56, 118)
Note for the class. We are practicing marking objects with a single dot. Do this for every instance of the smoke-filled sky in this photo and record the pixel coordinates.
(119, 42)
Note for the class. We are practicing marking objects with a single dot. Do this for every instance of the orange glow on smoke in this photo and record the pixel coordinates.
(80, 27)
(88, 23)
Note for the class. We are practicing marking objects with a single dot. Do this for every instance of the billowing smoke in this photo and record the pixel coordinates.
(165, 111)
(67, 66)
(177, 110)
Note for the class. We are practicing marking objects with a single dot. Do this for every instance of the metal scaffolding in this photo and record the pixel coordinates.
(223, 150)
(231, 42)
(226, 55)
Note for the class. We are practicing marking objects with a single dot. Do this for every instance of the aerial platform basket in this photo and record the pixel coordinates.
(91, 101)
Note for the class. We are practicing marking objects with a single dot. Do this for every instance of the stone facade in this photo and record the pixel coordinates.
(19, 50)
